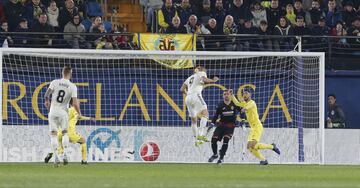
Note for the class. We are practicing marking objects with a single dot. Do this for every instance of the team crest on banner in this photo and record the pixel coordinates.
(168, 42)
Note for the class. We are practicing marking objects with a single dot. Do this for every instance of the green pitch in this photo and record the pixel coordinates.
(38, 175)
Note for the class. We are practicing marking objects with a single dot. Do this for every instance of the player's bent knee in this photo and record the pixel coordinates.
(251, 145)
(214, 139)
(81, 140)
(193, 119)
(204, 113)
(226, 140)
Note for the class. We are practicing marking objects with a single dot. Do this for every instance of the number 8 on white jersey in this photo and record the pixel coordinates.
(63, 91)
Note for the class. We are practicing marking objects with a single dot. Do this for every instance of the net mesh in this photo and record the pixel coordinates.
(140, 112)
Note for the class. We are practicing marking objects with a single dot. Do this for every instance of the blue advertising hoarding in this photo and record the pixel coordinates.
(145, 96)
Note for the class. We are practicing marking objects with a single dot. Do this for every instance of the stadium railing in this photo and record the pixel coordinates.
(341, 52)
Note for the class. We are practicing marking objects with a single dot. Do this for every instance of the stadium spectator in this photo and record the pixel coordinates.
(315, 12)
(246, 43)
(194, 27)
(151, 7)
(283, 28)
(239, 12)
(165, 15)
(225, 3)
(298, 8)
(204, 14)
(349, 13)
(284, 3)
(354, 31)
(320, 30)
(5, 35)
(332, 15)
(335, 114)
(230, 28)
(94, 28)
(300, 29)
(184, 11)
(53, 15)
(22, 40)
(103, 42)
(14, 11)
(219, 13)
(33, 11)
(259, 14)
(176, 26)
(66, 14)
(97, 21)
(120, 41)
(213, 27)
(265, 43)
(42, 26)
(340, 31)
(273, 14)
(213, 42)
(75, 26)
(290, 14)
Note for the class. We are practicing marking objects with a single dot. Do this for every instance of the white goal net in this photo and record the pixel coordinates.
(140, 112)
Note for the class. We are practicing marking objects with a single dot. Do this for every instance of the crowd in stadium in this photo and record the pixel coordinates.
(283, 18)
(68, 16)
(207, 17)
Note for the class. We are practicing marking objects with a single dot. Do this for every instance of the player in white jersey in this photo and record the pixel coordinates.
(61, 91)
(195, 103)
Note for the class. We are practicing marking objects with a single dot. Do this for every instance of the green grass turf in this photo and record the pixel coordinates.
(127, 175)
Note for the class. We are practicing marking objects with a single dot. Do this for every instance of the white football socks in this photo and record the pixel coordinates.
(194, 129)
(65, 143)
(203, 123)
(54, 143)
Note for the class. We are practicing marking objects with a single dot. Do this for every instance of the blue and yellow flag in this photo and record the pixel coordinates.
(168, 42)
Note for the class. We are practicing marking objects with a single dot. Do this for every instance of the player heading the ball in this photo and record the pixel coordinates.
(195, 103)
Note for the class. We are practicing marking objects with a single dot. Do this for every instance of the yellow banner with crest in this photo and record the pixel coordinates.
(168, 42)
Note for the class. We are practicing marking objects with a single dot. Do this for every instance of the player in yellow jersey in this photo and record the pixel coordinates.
(256, 128)
(74, 137)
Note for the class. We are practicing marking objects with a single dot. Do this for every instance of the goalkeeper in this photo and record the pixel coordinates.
(74, 137)
(226, 112)
(256, 128)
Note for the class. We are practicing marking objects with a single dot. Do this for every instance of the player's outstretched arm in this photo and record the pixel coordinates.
(87, 118)
(208, 80)
(235, 101)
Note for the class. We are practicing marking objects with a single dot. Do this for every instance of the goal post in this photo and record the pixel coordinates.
(141, 114)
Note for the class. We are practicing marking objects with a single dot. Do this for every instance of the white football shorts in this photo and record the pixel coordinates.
(195, 104)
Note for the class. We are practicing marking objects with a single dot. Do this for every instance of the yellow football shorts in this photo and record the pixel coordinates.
(255, 134)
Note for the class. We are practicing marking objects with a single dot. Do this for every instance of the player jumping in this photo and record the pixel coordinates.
(226, 111)
(74, 137)
(195, 103)
(61, 91)
(256, 128)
